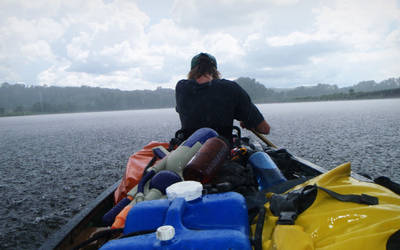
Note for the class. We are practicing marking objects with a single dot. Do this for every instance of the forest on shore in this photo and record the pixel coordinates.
(20, 99)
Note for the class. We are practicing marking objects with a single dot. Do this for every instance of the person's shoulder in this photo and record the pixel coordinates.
(230, 84)
(227, 82)
(182, 83)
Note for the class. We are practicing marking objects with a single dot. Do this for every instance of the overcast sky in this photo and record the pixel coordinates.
(144, 44)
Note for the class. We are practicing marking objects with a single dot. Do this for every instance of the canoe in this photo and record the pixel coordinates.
(78, 229)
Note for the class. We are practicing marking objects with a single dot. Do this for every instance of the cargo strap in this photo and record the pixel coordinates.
(256, 239)
(393, 242)
(388, 183)
(288, 206)
(361, 199)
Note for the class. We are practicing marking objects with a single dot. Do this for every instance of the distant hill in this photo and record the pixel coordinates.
(19, 99)
(380, 94)
(261, 94)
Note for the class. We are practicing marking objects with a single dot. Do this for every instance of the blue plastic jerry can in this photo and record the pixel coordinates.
(216, 221)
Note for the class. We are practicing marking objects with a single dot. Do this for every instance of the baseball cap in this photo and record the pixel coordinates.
(196, 59)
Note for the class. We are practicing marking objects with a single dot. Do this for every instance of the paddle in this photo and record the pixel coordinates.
(263, 138)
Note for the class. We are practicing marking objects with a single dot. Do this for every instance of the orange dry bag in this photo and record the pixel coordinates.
(134, 169)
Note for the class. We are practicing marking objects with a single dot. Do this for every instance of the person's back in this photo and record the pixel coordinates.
(204, 100)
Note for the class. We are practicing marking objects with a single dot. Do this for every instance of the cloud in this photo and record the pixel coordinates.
(92, 41)
(125, 80)
(39, 50)
(135, 44)
(347, 42)
(361, 24)
(235, 17)
(291, 39)
(78, 48)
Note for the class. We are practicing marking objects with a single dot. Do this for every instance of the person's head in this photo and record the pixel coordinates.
(203, 64)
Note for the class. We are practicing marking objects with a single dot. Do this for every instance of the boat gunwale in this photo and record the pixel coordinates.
(323, 170)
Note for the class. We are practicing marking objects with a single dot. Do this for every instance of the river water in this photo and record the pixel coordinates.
(53, 165)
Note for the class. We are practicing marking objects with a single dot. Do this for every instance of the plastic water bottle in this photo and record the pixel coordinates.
(267, 173)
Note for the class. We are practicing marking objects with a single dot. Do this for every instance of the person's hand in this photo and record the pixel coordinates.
(263, 127)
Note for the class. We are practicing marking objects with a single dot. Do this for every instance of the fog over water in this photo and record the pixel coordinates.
(53, 165)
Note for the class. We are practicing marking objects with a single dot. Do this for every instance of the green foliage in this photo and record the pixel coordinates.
(18, 99)
(19, 109)
(257, 91)
(367, 89)
(388, 93)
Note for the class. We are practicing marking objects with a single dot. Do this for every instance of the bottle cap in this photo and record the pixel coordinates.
(165, 233)
(190, 190)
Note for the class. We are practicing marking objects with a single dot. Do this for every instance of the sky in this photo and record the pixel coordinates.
(145, 44)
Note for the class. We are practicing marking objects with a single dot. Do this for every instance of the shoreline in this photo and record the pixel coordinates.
(301, 99)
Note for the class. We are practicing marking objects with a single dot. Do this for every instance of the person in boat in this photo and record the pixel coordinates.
(206, 100)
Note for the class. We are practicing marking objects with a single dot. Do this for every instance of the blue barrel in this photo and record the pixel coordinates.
(216, 221)
(267, 173)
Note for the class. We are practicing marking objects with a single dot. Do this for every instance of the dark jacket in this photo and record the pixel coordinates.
(215, 105)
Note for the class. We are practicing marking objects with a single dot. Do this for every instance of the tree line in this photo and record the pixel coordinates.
(19, 99)
(262, 94)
